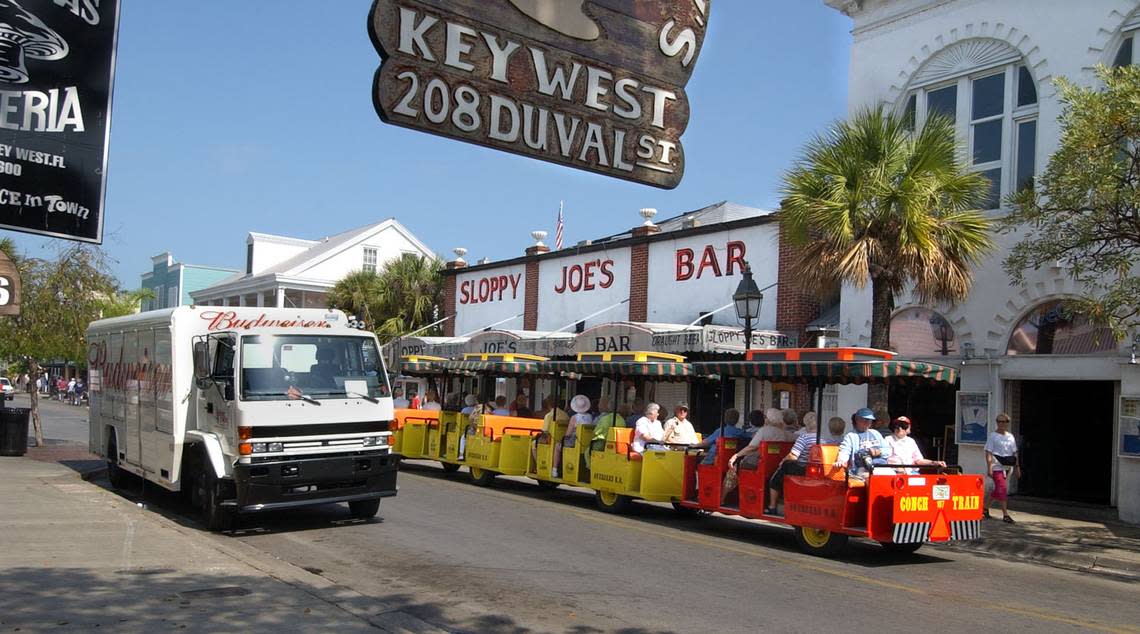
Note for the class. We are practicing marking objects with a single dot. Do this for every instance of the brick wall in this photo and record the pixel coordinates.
(450, 280)
(639, 274)
(530, 298)
(795, 308)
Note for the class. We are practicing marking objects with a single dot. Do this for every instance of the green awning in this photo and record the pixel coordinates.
(661, 370)
(900, 372)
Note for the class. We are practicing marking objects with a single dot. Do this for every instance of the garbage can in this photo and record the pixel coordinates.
(14, 430)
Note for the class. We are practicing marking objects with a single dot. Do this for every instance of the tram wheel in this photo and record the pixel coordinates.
(611, 502)
(449, 467)
(481, 477)
(901, 549)
(548, 484)
(820, 542)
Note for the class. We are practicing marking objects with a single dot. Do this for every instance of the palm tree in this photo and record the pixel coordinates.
(411, 294)
(872, 199)
(357, 294)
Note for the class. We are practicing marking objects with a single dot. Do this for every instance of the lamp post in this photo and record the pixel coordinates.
(748, 300)
(942, 332)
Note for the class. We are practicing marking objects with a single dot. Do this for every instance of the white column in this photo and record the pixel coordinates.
(280, 297)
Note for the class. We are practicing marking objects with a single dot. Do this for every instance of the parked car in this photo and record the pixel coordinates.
(7, 388)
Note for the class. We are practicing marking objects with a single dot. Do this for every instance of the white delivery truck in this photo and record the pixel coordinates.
(243, 408)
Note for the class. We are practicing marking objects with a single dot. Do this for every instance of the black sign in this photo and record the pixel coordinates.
(57, 62)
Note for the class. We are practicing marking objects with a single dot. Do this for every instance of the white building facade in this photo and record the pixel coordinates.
(287, 272)
(991, 65)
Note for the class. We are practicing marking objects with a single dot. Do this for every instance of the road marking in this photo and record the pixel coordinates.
(720, 544)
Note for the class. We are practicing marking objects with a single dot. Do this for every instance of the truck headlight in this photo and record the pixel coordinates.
(258, 447)
(276, 446)
(370, 441)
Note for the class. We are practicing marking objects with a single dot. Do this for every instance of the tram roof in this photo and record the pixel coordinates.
(421, 366)
(858, 372)
(494, 366)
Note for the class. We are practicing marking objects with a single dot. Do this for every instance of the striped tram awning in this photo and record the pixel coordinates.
(662, 370)
(513, 368)
(858, 372)
(420, 368)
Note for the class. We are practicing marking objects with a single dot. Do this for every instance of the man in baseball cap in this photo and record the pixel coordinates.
(862, 449)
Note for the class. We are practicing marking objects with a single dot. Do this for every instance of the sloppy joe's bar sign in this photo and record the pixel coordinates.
(57, 60)
(593, 84)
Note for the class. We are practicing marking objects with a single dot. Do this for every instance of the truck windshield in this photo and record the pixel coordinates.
(285, 367)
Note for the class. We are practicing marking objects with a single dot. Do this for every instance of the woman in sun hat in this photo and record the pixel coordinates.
(580, 405)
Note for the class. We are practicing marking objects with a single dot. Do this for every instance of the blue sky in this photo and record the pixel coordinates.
(231, 117)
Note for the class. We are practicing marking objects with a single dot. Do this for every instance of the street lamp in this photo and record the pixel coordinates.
(748, 300)
(941, 330)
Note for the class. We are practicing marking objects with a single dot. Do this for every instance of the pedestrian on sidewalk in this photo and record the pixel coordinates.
(1001, 461)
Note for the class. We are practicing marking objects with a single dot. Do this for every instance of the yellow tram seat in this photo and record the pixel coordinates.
(824, 456)
(623, 436)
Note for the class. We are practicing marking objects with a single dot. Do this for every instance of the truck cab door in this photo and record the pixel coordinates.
(215, 394)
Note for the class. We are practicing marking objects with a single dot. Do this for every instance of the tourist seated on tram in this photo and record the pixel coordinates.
(648, 434)
(678, 429)
(749, 457)
(862, 449)
(794, 463)
(603, 423)
(730, 430)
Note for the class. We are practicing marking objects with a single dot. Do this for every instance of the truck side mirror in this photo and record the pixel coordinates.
(201, 360)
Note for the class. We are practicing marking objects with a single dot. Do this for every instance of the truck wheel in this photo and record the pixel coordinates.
(820, 542)
(611, 502)
(449, 467)
(901, 549)
(364, 509)
(115, 474)
(217, 517)
(482, 477)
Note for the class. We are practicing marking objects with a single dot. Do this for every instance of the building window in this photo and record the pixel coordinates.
(1128, 52)
(172, 297)
(249, 259)
(370, 259)
(921, 332)
(993, 108)
(1052, 328)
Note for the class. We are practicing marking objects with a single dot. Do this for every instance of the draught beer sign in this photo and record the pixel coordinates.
(592, 84)
(57, 60)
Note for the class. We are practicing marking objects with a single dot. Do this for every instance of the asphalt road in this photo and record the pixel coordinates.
(513, 558)
(448, 556)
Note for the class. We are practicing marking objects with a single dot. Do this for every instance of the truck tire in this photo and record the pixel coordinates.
(364, 509)
(216, 516)
(115, 474)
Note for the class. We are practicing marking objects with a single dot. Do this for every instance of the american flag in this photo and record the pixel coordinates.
(558, 229)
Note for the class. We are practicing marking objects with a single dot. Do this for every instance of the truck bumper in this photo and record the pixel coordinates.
(297, 482)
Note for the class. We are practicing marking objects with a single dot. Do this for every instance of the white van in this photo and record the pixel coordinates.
(243, 408)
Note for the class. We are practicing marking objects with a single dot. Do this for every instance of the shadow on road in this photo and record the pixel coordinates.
(865, 553)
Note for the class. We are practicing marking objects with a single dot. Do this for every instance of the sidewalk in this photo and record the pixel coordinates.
(78, 556)
(1095, 546)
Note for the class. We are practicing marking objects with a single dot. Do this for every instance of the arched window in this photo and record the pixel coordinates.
(1129, 51)
(986, 89)
(921, 332)
(1051, 328)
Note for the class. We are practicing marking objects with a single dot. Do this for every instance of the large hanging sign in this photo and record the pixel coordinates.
(57, 61)
(9, 286)
(597, 85)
